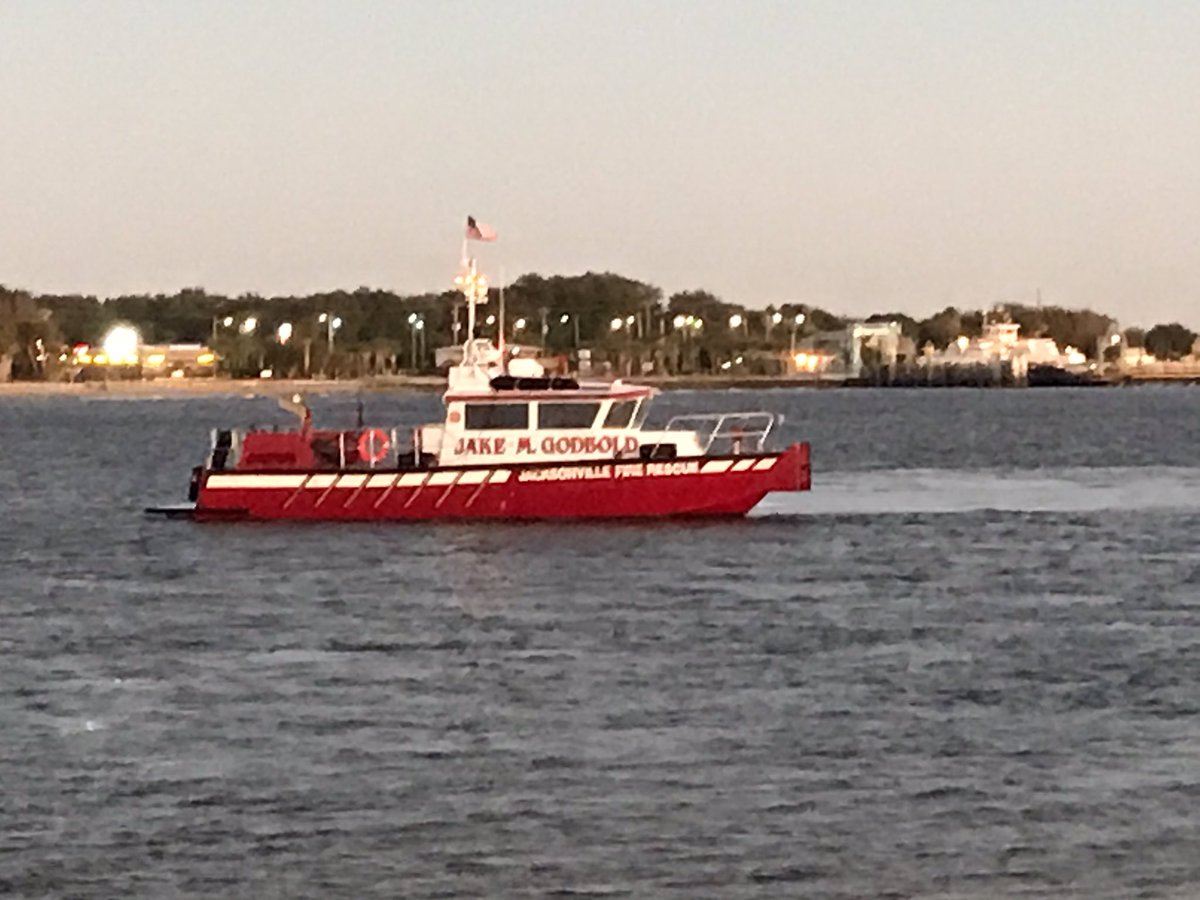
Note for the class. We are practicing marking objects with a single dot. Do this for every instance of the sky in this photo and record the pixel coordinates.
(863, 157)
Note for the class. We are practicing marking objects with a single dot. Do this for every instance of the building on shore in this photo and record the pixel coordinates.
(113, 361)
(851, 351)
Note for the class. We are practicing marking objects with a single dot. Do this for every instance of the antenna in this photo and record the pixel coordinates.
(500, 341)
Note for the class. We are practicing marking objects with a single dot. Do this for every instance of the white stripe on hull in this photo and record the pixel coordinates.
(254, 481)
(326, 480)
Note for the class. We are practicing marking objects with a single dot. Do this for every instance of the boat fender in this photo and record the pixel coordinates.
(373, 445)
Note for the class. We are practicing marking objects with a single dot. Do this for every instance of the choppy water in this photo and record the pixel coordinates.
(967, 665)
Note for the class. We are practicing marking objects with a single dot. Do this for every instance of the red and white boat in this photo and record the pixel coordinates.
(514, 444)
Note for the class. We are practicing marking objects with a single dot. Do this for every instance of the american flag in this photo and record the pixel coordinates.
(477, 231)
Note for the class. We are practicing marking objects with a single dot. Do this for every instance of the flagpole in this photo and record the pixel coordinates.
(474, 287)
(470, 307)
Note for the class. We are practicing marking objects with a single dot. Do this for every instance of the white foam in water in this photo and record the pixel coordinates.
(957, 490)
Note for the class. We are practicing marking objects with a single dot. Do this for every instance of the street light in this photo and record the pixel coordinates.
(574, 320)
(616, 324)
(332, 323)
(248, 326)
(771, 320)
(226, 321)
(796, 323)
(735, 321)
(416, 324)
(284, 332)
(519, 325)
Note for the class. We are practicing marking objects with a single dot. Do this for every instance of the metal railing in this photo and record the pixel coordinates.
(388, 459)
(225, 452)
(736, 432)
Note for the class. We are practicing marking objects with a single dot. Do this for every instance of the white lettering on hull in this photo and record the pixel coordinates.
(592, 473)
(566, 473)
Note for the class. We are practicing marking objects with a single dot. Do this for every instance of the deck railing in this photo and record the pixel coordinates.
(734, 433)
(348, 443)
(225, 450)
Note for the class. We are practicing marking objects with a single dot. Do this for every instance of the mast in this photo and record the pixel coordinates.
(474, 287)
(470, 292)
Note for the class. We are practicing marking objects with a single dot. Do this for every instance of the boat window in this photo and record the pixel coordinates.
(620, 414)
(567, 415)
(643, 407)
(485, 416)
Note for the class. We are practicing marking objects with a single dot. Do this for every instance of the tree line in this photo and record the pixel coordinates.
(625, 322)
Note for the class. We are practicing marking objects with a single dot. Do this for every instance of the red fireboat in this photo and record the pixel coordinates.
(514, 444)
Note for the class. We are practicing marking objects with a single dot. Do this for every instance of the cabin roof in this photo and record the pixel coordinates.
(585, 392)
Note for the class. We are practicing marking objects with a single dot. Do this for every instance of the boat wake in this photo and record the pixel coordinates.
(902, 491)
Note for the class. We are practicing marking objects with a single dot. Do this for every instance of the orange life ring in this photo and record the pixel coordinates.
(373, 445)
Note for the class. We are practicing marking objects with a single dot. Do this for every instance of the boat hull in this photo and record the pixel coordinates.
(594, 489)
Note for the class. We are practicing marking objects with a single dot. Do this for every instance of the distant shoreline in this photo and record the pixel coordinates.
(256, 387)
(201, 387)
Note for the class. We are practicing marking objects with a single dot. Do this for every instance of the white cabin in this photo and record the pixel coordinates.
(498, 417)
